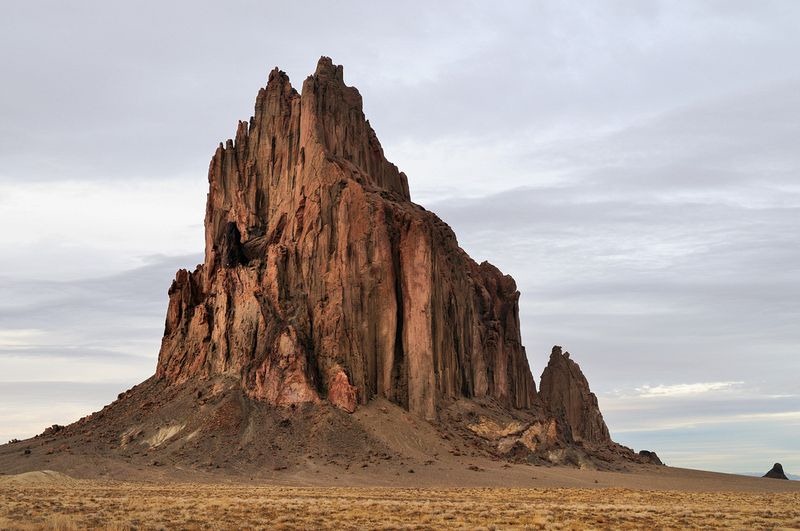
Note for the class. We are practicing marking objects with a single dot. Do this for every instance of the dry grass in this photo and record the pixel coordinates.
(92, 505)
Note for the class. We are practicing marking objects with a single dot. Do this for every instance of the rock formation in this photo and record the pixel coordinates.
(776, 472)
(652, 457)
(566, 393)
(329, 316)
(323, 281)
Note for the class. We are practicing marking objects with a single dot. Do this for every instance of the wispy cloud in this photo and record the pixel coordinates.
(78, 230)
(689, 389)
(89, 330)
(691, 421)
(20, 337)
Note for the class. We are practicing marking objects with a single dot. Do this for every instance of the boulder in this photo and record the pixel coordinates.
(650, 457)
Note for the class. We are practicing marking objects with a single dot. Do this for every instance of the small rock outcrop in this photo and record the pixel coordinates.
(650, 457)
(565, 392)
(776, 472)
(323, 281)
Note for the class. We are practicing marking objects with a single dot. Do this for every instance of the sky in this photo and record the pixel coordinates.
(634, 165)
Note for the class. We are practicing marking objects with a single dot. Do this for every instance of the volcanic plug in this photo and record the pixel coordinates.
(323, 281)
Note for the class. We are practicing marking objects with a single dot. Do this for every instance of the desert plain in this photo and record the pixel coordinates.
(554, 498)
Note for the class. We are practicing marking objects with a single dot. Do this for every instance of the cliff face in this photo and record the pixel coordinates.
(566, 393)
(323, 281)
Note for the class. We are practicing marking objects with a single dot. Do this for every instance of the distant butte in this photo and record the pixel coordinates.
(776, 472)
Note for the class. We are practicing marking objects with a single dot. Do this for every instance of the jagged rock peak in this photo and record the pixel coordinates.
(326, 69)
(565, 391)
(322, 281)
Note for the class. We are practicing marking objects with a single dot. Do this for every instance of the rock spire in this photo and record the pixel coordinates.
(566, 393)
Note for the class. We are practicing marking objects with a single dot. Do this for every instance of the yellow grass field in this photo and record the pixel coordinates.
(85, 504)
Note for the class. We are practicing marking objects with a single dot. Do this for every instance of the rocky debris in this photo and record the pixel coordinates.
(565, 392)
(650, 457)
(776, 472)
(323, 281)
(52, 430)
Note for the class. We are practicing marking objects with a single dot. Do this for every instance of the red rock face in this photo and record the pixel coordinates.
(323, 281)
(566, 393)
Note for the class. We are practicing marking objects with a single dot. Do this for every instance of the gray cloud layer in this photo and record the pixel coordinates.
(632, 164)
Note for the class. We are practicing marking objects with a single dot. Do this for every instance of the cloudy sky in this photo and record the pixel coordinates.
(633, 164)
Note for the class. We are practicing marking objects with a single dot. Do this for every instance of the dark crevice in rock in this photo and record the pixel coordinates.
(232, 250)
